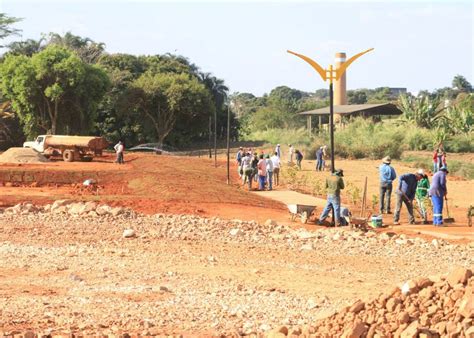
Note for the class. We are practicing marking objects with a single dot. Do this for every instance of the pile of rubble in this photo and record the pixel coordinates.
(420, 308)
(68, 207)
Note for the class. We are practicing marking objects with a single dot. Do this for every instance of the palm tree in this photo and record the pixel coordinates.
(460, 83)
(88, 50)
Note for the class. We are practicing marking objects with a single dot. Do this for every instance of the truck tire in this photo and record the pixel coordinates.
(68, 155)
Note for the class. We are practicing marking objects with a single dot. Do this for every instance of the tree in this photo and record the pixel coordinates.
(88, 50)
(53, 90)
(5, 26)
(356, 96)
(424, 111)
(165, 99)
(27, 47)
(461, 84)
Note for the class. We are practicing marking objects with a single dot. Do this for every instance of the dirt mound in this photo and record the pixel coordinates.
(22, 155)
(421, 307)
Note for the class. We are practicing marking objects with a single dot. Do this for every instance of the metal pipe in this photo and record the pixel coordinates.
(331, 124)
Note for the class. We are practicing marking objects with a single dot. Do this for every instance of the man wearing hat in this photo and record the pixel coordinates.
(422, 194)
(387, 176)
(406, 190)
(438, 191)
(334, 185)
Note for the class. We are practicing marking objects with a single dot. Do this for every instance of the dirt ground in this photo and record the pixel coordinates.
(77, 271)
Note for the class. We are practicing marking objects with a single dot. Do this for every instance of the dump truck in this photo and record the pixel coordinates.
(70, 148)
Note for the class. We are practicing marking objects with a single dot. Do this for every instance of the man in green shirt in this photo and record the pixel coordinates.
(421, 195)
(334, 185)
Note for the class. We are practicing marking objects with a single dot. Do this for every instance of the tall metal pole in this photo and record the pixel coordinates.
(228, 144)
(215, 138)
(210, 136)
(331, 124)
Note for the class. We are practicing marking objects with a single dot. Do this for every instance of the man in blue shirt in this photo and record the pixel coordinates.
(319, 159)
(438, 191)
(406, 194)
(387, 176)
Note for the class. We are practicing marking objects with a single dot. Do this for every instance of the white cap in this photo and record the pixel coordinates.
(420, 172)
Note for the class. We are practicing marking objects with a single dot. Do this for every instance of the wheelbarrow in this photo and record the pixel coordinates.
(302, 211)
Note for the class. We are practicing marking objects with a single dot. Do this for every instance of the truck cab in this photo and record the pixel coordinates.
(37, 144)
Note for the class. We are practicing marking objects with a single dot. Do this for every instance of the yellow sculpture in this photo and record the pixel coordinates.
(330, 74)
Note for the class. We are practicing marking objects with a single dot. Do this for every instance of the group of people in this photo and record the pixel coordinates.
(413, 187)
(263, 168)
(439, 158)
(292, 153)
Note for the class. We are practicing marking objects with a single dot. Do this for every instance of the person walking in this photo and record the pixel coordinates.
(406, 190)
(278, 151)
(387, 176)
(269, 171)
(438, 191)
(291, 151)
(422, 195)
(319, 159)
(247, 170)
(119, 149)
(262, 172)
(276, 168)
(325, 156)
(238, 158)
(334, 185)
(254, 166)
(299, 158)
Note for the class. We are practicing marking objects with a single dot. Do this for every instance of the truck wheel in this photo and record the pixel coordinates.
(68, 155)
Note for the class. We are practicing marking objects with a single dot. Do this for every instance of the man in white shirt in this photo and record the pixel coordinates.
(119, 148)
(269, 171)
(276, 168)
(290, 154)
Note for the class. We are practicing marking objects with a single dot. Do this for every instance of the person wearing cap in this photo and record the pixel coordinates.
(334, 185)
(438, 191)
(422, 194)
(291, 151)
(406, 190)
(278, 151)
(387, 176)
(299, 158)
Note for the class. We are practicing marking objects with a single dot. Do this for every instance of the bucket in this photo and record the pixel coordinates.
(376, 221)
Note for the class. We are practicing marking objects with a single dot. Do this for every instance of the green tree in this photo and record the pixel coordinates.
(88, 50)
(356, 96)
(26, 47)
(424, 111)
(164, 99)
(53, 90)
(461, 84)
(6, 28)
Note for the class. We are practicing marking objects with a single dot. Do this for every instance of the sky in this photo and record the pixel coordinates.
(418, 45)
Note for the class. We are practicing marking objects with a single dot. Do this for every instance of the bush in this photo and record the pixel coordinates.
(463, 143)
(297, 137)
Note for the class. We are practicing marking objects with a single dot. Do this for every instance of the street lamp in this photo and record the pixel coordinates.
(331, 74)
(229, 105)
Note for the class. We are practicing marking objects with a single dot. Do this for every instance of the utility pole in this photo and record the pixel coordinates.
(215, 138)
(228, 142)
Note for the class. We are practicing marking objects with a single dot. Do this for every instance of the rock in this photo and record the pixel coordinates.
(103, 210)
(469, 333)
(435, 243)
(422, 282)
(270, 222)
(458, 275)
(411, 331)
(356, 330)
(357, 307)
(282, 329)
(128, 233)
(466, 307)
(403, 317)
(392, 304)
(117, 211)
(75, 208)
(236, 232)
(409, 287)
(60, 203)
(307, 247)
